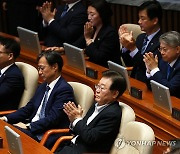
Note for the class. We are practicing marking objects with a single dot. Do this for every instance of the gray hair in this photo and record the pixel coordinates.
(171, 38)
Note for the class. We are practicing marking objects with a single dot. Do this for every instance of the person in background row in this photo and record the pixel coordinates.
(100, 39)
(64, 24)
(96, 132)
(11, 77)
(45, 110)
(166, 70)
(150, 15)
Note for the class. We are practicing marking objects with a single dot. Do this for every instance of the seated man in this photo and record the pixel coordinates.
(11, 77)
(150, 15)
(167, 72)
(64, 24)
(96, 132)
(45, 110)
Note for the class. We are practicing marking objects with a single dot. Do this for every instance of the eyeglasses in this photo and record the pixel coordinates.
(165, 49)
(100, 87)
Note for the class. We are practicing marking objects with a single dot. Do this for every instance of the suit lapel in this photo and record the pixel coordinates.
(175, 66)
(52, 93)
(153, 43)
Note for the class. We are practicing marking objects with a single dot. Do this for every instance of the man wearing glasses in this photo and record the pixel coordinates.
(166, 70)
(45, 109)
(96, 132)
(11, 78)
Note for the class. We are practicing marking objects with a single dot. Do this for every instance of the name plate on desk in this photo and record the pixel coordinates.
(137, 93)
(176, 113)
(91, 73)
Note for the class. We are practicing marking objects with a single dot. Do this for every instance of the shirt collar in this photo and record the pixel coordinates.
(100, 108)
(152, 35)
(172, 63)
(5, 68)
(52, 84)
(72, 4)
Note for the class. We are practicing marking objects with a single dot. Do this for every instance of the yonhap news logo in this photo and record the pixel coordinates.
(120, 143)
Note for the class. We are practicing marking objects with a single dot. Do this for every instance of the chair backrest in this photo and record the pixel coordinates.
(128, 115)
(137, 138)
(31, 76)
(84, 95)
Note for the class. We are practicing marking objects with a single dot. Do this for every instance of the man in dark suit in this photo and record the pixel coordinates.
(168, 70)
(96, 132)
(150, 15)
(64, 24)
(45, 110)
(11, 78)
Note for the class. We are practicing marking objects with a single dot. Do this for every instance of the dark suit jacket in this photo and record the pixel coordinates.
(104, 48)
(139, 68)
(101, 132)
(68, 28)
(54, 114)
(11, 88)
(173, 81)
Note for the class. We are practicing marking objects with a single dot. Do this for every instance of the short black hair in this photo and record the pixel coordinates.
(103, 8)
(52, 58)
(118, 81)
(11, 46)
(153, 8)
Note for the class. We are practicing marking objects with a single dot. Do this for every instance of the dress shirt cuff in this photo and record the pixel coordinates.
(44, 24)
(75, 122)
(50, 21)
(28, 126)
(124, 50)
(5, 118)
(133, 53)
(154, 71)
(148, 75)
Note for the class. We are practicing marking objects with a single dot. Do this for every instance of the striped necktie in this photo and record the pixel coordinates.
(169, 70)
(64, 11)
(45, 100)
(144, 44)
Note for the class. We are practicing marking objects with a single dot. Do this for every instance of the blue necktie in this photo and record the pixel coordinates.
(64, 11)
(169, 69)
(144, 44)
(42, 112)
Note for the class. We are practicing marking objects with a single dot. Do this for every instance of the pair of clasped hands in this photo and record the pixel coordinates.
(88, 34)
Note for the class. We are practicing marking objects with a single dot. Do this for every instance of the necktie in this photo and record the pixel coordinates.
(144, 44)
(42, 112)
(169, 69)
(0, 73)
(64, 11)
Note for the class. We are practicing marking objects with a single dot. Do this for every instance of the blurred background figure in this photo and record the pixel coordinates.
(64, 24)
(100, 39)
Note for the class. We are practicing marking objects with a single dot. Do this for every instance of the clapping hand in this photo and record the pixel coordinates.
(72, 111)
(46, 12)
(126, 38)
(151, 62)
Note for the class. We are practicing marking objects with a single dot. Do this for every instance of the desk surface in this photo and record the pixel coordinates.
(29, 145)
(164, 126)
